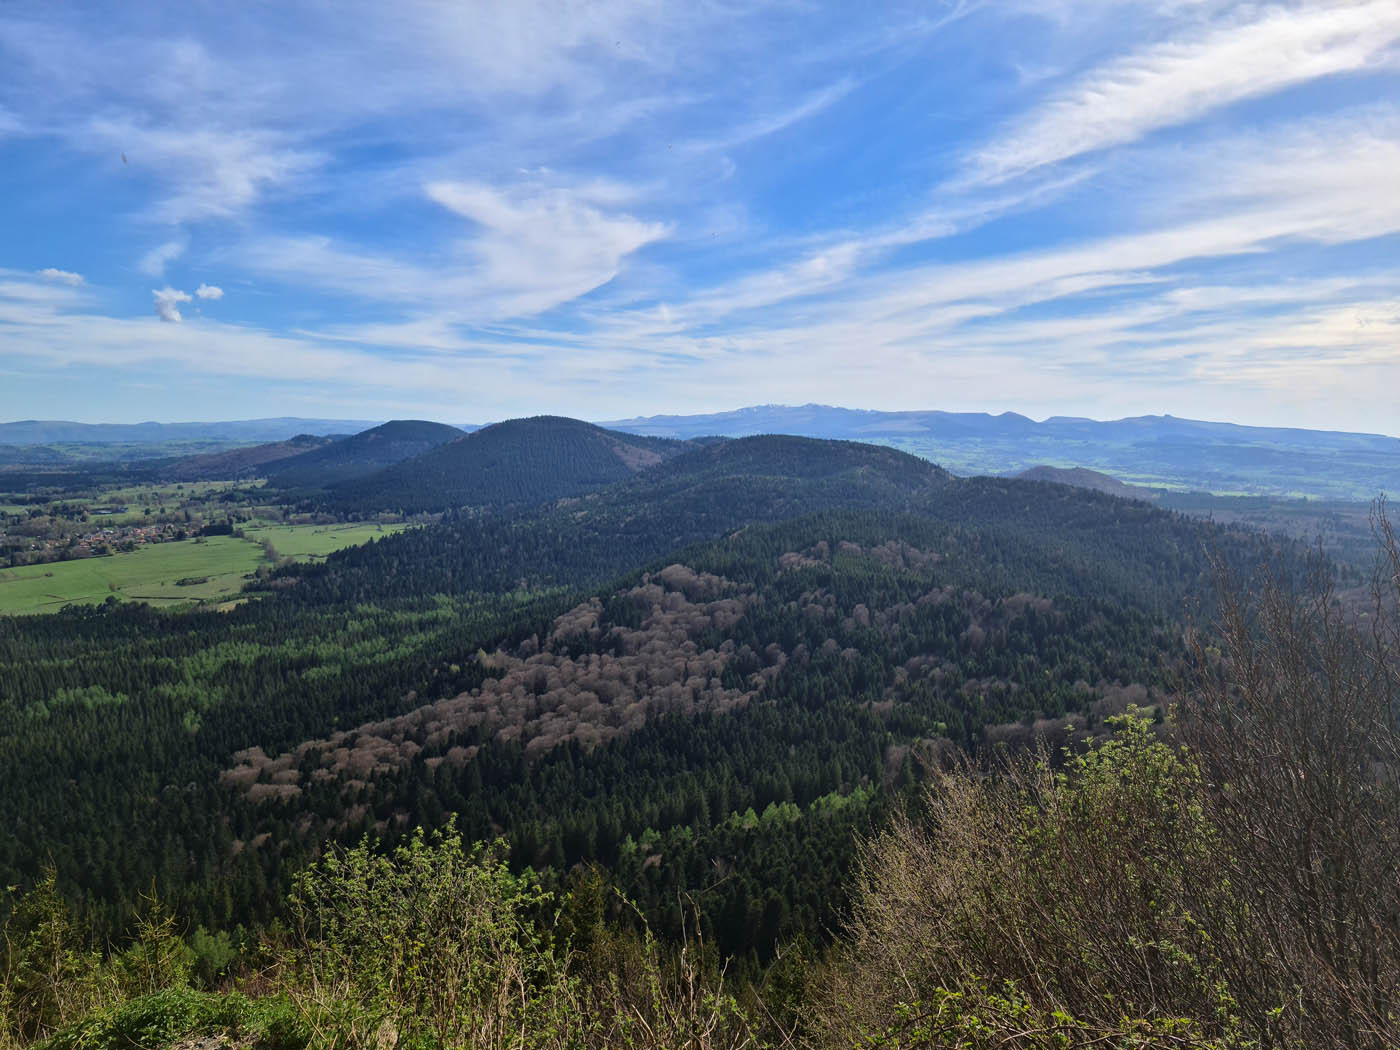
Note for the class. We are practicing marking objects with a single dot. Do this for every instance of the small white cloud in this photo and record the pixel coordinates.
(153, 263)
(62, 276)
(168, 302)
(209, 291)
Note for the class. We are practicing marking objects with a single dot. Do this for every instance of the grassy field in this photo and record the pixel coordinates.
(151, 573)
(147, 574)
(316, 541)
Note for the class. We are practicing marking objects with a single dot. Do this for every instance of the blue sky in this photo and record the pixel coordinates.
(473, 210)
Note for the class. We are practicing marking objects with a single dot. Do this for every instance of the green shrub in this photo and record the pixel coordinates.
(431, 945)
(48, 975)
(437, 945)
(155, 1021)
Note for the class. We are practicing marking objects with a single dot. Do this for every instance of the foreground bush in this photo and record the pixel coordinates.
(174, 1015)
(435, 945)
(50, 975)
(1040, 908)
(432, 943)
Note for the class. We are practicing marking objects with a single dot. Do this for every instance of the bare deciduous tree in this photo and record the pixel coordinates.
(1292, 718)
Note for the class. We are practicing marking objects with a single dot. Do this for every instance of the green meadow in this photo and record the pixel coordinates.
(149, 573)
(316, 541)
(215, 568)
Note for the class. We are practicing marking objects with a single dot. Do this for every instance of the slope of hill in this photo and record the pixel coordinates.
(360, 454)
(238, 462)
(1161, 451)
(517, 462)
(1083, 478)
(806, 653)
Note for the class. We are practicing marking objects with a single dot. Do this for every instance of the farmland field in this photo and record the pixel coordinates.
(219, 564)
(150, 573)
(316, 541)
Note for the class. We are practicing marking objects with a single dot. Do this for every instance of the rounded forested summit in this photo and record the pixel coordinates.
(516, 462)
(360, 454)
(803, 457)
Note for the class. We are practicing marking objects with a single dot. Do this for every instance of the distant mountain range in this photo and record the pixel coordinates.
(862, 424)
(58, 431)
(1151, 451)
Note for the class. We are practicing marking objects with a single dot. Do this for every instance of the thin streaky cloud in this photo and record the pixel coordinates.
(1179, 81)
(68, 277)
(154, 261)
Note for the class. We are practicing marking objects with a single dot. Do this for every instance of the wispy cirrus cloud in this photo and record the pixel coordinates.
(1179, 80)
(522, 250)
(154, 261)
(26, 296)
(542, 247)
(207, 172)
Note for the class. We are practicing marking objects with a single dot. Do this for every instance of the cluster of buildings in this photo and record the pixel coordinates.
(17, 548)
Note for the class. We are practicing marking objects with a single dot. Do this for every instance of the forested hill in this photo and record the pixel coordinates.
(702, 494)
(518, 462)
(788, 666)
(238, 462)
(360, 454)
(781, 455)
(723, 487)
